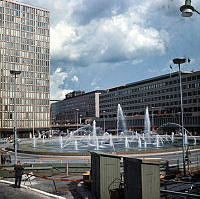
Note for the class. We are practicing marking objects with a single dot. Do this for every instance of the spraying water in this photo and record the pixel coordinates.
(61, 141)
(147, 121)
(126, 143)
(121, 122)
(34, 141)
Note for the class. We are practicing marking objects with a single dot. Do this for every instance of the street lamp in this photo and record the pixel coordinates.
(104, 121)
(77, 110)
(15, 73)
(80, 119)
(152, 121)
(180, 61)
(187, 10)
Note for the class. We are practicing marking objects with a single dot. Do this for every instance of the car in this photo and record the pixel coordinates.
(3, 140)
(18, 140)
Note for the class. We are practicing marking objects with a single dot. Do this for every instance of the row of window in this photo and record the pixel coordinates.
(24, 108)
(14, 35)
(124, 91)
(24, 54)
(108, 108)
(25, 123)
(30, 88)
(22, 47)
(34, 83)
(188, 86)
(159, 121)
(28, 9)
(27, 95)
(38, 30)
(36, 43)
(156, 98)
(26, 100)
(23, 60)
(24, 44)
(27, 62)
(34, 71)
(24, 15)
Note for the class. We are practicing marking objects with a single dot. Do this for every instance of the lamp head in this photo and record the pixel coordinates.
(15, 72)
(187, 10)
(179, 60)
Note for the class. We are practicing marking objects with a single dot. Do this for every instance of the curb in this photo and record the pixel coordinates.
(35, 190)
(161, 153)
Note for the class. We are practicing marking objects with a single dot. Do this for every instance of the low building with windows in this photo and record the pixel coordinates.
(162, 96)
(77, 108)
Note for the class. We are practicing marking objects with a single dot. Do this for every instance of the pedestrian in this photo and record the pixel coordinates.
(18, 173)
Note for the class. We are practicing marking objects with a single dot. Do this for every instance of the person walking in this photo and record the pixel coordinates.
(18, 173)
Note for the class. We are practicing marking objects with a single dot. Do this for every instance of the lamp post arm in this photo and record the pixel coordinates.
(197, 11)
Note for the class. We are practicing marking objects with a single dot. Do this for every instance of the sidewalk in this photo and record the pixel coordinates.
(7, 191)
(44, 189)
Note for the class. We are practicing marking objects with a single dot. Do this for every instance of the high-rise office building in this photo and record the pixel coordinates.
(24, 47)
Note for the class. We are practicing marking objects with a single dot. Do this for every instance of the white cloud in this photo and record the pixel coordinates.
(118, 37)
(106, 40)
(57, 81)
(63, 35)
(75, 78)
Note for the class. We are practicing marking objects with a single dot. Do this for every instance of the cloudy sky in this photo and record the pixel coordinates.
(98, 44)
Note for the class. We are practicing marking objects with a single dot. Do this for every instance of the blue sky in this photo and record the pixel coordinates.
(98, 44)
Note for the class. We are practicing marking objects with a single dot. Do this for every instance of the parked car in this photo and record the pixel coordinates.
(3, 140)
(18, 140)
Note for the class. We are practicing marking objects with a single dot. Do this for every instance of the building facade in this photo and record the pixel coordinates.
(162, 96)
(78, 107)
(24, 47)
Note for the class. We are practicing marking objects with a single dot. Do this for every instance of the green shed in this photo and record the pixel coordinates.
(105, 169)
(141, 178)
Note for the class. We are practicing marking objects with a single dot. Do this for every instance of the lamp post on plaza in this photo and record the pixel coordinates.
(15, 73)
(77, 110)
(104, 121)
(152, 121)
(187, 10)
(180, 61)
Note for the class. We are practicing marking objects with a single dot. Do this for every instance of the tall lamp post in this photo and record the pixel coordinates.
(152, 121)
(180, 61)
(104, 121)
(15, 73)
(77, 110)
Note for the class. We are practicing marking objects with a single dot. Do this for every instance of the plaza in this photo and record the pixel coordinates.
(123, 117)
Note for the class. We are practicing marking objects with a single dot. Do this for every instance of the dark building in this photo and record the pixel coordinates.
(162, 96)
(77, 108)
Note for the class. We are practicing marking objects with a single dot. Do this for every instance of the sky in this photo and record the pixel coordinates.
(99, 44)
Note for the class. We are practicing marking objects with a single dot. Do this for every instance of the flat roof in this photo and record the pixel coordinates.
(149, 80)
(28, 5)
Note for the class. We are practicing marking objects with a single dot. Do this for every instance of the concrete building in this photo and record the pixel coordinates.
(24, 47)
(77, 108)
(162, 96)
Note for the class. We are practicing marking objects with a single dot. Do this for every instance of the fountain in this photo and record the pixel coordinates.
(145, 144)
(92, 138)
(126, 143)
(111, 141)
(61, 141)
(76, 145)
(34, 141)
(121, 123)
(147, 121)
